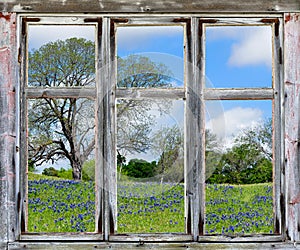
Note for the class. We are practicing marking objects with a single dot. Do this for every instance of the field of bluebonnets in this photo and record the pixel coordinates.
(57, 205)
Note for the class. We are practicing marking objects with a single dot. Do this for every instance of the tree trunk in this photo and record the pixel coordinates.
(77, 170)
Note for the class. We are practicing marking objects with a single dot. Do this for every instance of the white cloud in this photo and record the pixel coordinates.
(232, 122)
(252, 45)
(42, 34)
(252, 49)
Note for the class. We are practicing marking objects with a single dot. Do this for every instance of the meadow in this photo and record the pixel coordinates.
(57, 205)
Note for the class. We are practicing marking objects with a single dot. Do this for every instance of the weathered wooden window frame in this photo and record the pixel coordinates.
(194, 94)
(147, 93)
(275, 93)
(28, 92)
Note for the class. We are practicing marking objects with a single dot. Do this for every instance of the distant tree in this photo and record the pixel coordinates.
(249, 160)
(139, 168)
(168, 143)
(51, 171)
(136, 71)
(212, 153)
(134, 121)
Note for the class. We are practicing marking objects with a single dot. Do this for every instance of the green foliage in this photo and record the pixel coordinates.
(51, 171)
(65, 174)
(139, 71)
(139, 168)
(249, 160)
(88, 171)
(62, 173)
(242, 164)
(59, 128)
(121, 159)
(31, 167)
(63, 63)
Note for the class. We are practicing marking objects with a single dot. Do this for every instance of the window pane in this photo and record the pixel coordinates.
(61, 56)
(150, 166)
(239, 168)
(238, 56)
(150, 56)
(61, 165)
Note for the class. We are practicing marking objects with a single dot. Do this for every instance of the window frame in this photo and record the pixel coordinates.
(275, 93)
(140, 94)
(194, 94)
(29, 92)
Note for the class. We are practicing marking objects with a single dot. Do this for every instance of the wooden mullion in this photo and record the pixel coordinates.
(194, 143)
(61, 93)
(150, 93)
(151, 238)
(99, 213)
(23, 154)
(61, 237)
(107, 129)
(247, 238)
(239, 94)
(278, 130)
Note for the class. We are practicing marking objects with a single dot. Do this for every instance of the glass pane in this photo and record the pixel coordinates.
(150, 166)
(238, 56)
(61, 165)
(61, 56)
(150, 56)
(239, 168)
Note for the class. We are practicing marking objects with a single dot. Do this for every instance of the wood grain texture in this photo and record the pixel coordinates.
(287, 190)
(8, 80)
(292, 120)
(145, 6)
(148, 246)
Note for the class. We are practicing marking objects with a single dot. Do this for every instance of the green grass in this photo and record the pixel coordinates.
(239, 209)
(61, 206)
(150, 208)
(56, 205)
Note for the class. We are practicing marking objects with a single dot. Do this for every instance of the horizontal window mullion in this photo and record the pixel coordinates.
(62, 236)
(151, 237)
(239, 94)
(60, 92)
(150, 93)
(242, 238)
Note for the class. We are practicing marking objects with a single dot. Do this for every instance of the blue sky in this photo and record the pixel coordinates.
(236, 56)
(239, 56)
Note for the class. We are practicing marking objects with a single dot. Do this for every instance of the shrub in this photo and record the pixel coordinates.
(51, 171)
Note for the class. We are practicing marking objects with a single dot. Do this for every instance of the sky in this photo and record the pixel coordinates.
(235, 57)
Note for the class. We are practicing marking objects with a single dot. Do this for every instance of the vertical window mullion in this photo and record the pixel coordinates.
(107, 128)
(278, 103)
(194, 140)
(98, 134)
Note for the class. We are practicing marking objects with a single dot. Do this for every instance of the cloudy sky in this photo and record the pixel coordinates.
(239, 56)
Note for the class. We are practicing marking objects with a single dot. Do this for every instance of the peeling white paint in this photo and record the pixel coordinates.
(17, 8)
(101, 4)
